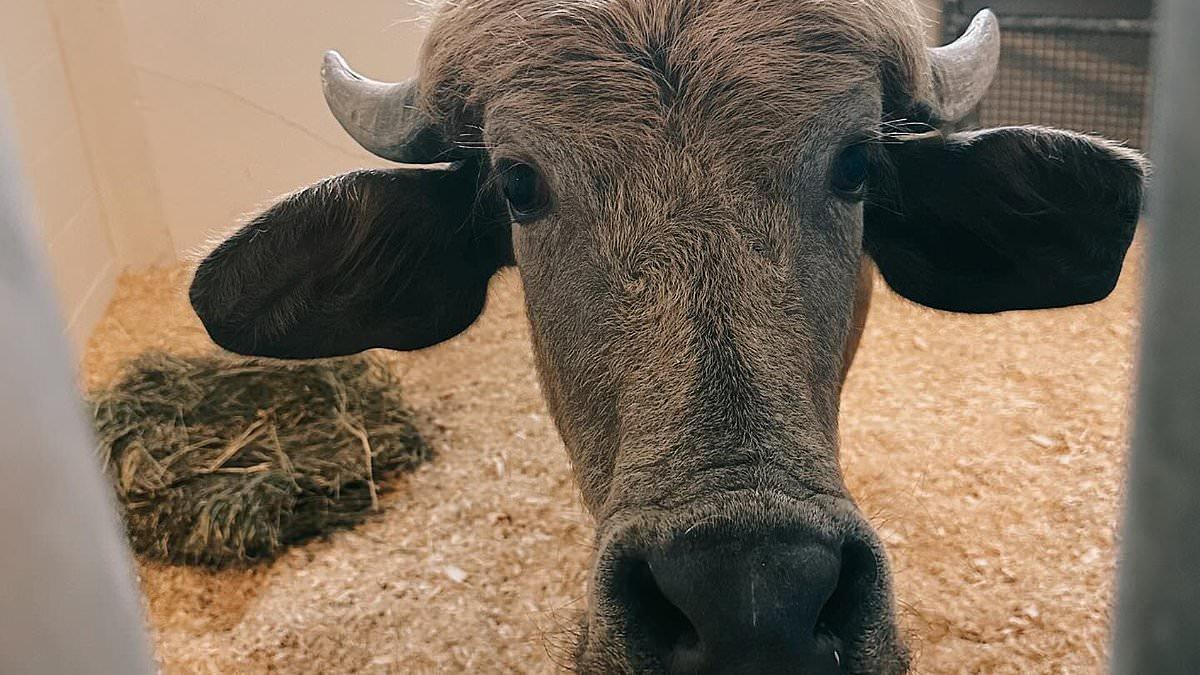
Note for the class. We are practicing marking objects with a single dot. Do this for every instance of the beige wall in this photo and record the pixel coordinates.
(92, 40)
(68, 200)
(149, 126)
(232, 98)
(232, 101)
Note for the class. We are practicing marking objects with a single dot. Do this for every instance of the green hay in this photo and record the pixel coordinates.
(219, 460)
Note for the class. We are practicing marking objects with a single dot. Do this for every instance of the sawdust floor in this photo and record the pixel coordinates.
(987, 450)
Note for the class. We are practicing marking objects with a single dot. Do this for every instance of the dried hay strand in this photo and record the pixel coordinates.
(219, 460)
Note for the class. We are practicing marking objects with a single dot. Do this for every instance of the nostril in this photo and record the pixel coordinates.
(842, 612)
(792, 603)
(653, 617)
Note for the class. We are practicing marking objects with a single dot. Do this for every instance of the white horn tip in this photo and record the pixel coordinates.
(965, 68)
(985, 17)
(985, 29)
(335, 63)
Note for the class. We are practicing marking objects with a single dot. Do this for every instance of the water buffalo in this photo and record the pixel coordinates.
(693, 192)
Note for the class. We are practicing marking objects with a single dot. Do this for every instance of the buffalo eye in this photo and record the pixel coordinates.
(848, 175)
(524, 189)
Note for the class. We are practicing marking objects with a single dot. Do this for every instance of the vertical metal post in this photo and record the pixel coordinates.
(1158, 596)
(68, 603)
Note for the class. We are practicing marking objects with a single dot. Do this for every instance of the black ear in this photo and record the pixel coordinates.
(1003, 219)
(398, 259)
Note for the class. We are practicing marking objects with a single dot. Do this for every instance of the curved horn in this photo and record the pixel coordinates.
(382, 117)
(963, 70)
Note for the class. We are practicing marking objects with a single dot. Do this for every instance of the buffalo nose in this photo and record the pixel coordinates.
(739, 607)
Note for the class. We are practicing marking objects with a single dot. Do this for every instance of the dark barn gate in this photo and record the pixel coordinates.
(1077, 64)
(1122, 69)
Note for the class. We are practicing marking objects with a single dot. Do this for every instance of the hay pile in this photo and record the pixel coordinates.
(219, 460)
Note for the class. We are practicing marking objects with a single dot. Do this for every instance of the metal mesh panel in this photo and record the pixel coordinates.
(1076, 72)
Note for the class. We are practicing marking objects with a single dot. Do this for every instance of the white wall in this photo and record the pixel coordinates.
(231, 96)
(92, 41)
(148, 126)
(52, 120)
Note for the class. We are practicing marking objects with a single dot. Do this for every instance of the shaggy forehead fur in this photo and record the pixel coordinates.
(662, 125)
(707, 71)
